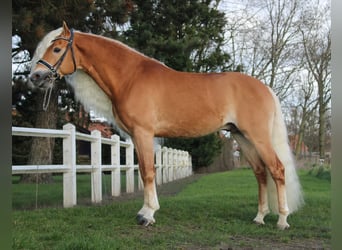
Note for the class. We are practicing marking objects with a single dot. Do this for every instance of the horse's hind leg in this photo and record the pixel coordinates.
(259, 169)
(277, 171)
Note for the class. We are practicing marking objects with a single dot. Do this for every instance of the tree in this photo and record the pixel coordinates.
(286, 44)
(186, 36)
(299, 109)
(31, 21)
(307, 108)
(316, 40)
(263, 36)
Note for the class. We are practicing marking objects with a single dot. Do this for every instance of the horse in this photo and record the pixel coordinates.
(148, 99)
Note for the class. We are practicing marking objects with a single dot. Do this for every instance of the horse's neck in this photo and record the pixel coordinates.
(105, 61)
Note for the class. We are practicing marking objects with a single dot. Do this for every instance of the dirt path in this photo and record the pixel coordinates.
(167, 189)
(246, 243)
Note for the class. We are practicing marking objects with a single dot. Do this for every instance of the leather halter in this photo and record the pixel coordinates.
(55, 67)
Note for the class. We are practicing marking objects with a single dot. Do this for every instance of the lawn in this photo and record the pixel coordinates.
(215, 211)
(30, 196)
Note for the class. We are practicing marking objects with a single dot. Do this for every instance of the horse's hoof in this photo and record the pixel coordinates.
(282, 223)
(141, 220)
(259, 222)
(283, 226)
(259, 219)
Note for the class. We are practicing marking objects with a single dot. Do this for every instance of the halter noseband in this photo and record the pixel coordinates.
(55, 67)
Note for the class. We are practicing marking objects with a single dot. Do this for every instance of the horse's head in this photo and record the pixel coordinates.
(57, 61)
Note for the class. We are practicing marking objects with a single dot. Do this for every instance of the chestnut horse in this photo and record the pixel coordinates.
(149, 99)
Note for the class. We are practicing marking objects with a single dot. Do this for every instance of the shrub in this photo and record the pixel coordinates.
(321, 171)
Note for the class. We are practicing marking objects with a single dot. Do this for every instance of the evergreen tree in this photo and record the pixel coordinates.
(186, 36)
(31, 21)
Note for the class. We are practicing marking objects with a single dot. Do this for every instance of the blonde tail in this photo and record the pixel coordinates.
(280, 144)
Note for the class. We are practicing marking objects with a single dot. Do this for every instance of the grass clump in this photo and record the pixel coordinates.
(321, 171)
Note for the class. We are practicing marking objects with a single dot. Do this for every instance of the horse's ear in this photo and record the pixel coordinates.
(66, 31)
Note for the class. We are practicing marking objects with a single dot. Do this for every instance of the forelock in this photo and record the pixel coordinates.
(43, 45)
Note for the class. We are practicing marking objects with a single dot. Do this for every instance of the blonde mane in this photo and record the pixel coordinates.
(86, 89)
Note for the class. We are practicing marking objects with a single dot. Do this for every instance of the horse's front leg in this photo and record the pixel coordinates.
(144, 147)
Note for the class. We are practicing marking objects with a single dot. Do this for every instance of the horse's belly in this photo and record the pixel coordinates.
(186, 128)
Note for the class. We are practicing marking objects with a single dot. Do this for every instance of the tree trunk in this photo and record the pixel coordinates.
(41, 152)
(321, 131)
(225, 160)
(300, 134)
(322, 109)
(298, 149)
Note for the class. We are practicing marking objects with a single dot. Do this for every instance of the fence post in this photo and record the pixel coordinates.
(140, 181)
(175, 165)
(69, 160)
(189, 163)
(172, 164)
(130, 167)
(168, 164)
(164, 164)
(158, 165)
(115, 160)
(96, 174)
(178, 166)
(184, 165)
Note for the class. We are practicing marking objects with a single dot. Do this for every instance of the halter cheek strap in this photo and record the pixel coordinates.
(55, 67)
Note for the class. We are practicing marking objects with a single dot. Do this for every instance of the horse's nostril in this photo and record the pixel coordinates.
(35, 76)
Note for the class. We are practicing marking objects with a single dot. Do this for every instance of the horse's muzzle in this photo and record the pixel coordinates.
(41, 78)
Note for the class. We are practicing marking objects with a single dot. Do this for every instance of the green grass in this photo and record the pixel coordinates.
(24, 196)
(213, 212)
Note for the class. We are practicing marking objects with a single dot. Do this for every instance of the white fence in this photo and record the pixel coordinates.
(171, 164)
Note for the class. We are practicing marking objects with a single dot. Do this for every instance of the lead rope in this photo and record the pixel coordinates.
(47, 97)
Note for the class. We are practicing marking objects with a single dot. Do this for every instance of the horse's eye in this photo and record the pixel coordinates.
(56, 50)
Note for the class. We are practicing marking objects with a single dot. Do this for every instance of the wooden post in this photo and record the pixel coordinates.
(181, 166)
(158, 165)
(172, 165)
(96, 174)
(140, 181)
(115, 160)
(165, 164)
(189, 164)
(177, 165)
(184, 165)
(130, 167)
(69, 160)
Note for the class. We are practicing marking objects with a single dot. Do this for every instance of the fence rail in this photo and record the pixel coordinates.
(170, 164)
